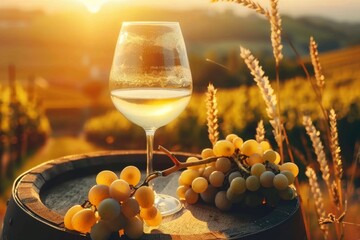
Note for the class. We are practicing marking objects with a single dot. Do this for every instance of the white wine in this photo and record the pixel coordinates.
(150, 108)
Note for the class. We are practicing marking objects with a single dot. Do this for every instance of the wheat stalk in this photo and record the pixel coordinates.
(249, 4)
(319, 149)
(267, 92)
(334, 145)
(212, 120)
(314, 55)
(318, 199)
(260, 132)
(276, 29)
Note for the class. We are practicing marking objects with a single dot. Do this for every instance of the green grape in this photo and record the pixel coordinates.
(266, 179)
(100, 231)
(280, 181)
(117, 223)
(180, 191)
(216, 178)
(83, 220)
(223, 164)
(234, 197)
(134, 229)
(148, 213)
(187, 176)
(238, 142)
(257, 169)
(254, 158)
(155, 221)
(231, 137)
(238, 185)
(250, 147)
(252, 183)
(207, 171)
(109, 209)
(145, 196)
(130, 208)
(289, 176)
(199, 184)
(191, 197)
(287, 194)
(120, 190)
(234, 175)
(106, 177)
(223, 148)
(131, 174)
(97, 193)
(69, 214)
(209, 195)
(292, 167)
(221, 201)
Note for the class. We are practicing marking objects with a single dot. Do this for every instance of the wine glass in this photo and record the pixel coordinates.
(150, 83)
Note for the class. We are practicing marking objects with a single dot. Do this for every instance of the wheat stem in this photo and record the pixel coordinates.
(212, 120)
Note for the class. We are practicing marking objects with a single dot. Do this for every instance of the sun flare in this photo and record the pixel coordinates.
(93, 6)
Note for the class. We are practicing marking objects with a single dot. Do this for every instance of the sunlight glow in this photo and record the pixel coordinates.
(93, 5)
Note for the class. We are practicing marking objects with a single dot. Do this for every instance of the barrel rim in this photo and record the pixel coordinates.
(39, 208)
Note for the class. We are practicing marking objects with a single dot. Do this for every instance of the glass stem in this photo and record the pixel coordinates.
(149, 150)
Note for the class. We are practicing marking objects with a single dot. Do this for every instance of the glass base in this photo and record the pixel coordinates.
(167, 205)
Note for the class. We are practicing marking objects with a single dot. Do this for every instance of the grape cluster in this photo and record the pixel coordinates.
(113, 209)
(243, 173)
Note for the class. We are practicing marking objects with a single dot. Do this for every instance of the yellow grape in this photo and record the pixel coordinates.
(289, 176)
(257, 169)
(83, 220)
(69, 214)
(252, 183)
(266, 179)
(207, 171)
(109, 209)
(135, 228)
(250, 147)
(270, 156)
(199, 184)
(223, 148)
(180, 191)
(154, 222)
(100, 231)
(238, 142)
(191, 197)
(106, 177)
(97, 193)
(231, 137)
(280, 181)
(131, 174)
(145, 196)
(187, 176)
(223, 164)
(254, 158)
(265, 145)
(222, 202)
(130, 208)
(120, 190)
(148, 213)
(207, 153)
(292, 167)
(217, 178)
(194, 159)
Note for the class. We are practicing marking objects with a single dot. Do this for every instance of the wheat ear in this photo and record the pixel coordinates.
(319, 149)
(212, 120)
(318, 199)
(260, 132)
(249, 4)
(267, 92)
(314, 55)
(276, 29)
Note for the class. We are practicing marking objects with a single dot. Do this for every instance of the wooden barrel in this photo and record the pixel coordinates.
(41, 196)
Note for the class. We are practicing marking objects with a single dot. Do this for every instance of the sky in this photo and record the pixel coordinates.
(340, 10)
